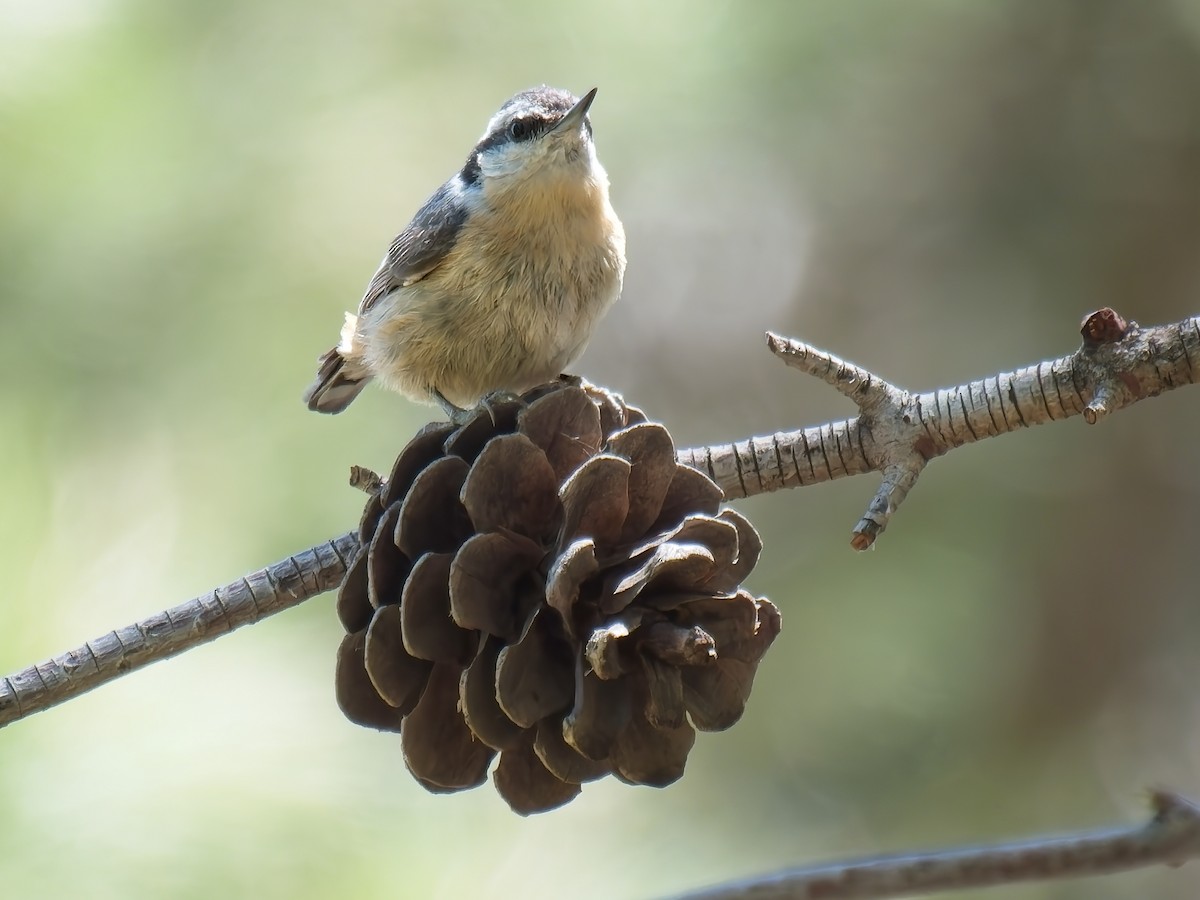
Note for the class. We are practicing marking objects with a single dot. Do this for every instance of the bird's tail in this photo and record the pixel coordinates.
(338, 380)
(335, 387)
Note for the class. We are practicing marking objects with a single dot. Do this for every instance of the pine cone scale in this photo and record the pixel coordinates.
(533, 675)
(477, 698)
(562, 760)
(566, 426)
(429, 631)
(484, 585)
(353, 605)
(596, 498)
(438, 747)
(650, 479)
(397, 676)
(527, 785)
(602, 709)
(356, 695)
(423, 449)
(498, 502)
(566, 577)
(386, 565)
(431, 518)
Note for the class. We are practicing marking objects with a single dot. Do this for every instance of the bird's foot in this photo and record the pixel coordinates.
(490, 404)
(456, 414)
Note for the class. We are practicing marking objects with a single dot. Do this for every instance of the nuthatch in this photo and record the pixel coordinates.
(500, 278)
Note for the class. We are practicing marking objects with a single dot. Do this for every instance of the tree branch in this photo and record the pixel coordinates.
(896, 434)
(170, 632)
(1171, 837)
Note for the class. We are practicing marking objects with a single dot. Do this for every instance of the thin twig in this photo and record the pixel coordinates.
(1171, 837)
(895, 434)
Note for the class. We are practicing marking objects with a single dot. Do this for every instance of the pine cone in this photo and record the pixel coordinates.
(547, 583)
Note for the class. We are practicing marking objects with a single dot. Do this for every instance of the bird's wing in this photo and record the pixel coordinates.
(421, 247)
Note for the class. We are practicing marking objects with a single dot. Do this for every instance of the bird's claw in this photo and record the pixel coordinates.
(460, 416)
(456, 414)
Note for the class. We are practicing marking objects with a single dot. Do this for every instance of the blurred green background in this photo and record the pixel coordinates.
(192, 193)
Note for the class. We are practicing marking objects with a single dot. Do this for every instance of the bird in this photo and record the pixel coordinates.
(499, 280)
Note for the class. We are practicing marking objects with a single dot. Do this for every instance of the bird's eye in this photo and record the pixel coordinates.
(521, 129)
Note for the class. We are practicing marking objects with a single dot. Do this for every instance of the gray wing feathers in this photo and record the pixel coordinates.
(416, 251)
(421, 247)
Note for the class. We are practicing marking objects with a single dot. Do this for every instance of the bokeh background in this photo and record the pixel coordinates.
(192, 193)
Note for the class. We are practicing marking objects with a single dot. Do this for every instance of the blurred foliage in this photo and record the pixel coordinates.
(193, 193)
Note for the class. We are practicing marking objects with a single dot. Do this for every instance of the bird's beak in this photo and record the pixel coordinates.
(574, 117)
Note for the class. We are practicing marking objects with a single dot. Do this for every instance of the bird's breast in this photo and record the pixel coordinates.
(553, 251)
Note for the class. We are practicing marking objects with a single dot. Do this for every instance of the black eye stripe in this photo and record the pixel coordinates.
(529, 125)
(525, 128)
